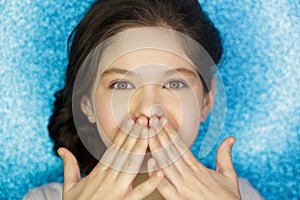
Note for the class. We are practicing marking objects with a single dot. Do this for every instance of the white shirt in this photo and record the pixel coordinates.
(53, 191)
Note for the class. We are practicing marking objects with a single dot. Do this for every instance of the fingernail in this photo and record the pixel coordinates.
(60, 153)
(142, 121)
(152, 163)
(231, 141)
(155, 137)
(155, 122)
(129, 123)
(164, 121)
(127, 126)
(158, 174)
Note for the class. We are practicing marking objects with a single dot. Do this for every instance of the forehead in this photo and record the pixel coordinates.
(143, 45)
(147, 58)
(133, 48)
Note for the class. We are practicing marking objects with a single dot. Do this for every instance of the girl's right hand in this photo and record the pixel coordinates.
(104, 182)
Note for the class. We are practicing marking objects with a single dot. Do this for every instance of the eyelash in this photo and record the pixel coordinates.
(114, 83)
(182, 84)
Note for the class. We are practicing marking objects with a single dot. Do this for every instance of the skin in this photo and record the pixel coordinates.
(156, 129)
(145, 90)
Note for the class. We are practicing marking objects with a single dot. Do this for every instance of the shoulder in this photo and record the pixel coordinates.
(247, 191)
(52, 191)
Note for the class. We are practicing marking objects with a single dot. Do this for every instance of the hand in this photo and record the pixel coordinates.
(104, 182)
(187, 178)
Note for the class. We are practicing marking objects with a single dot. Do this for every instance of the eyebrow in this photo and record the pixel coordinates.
(182, 71)
(118, 71)
(130, 73)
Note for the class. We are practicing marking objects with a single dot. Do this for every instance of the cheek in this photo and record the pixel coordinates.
(173, 109)
(111, 111)
(106, 124)
(191, 104)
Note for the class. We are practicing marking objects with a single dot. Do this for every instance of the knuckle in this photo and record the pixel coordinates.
(163, 185)
(139, 147)
(122, 188)
(152, 182)
(126, 148)
(141, 190)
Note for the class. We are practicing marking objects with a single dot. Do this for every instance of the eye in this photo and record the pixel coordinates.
(175, 84)
(121, 85)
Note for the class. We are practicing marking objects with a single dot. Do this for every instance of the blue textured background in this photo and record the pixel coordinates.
(260, 71)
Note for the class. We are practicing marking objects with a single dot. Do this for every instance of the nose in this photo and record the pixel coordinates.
(147, 101)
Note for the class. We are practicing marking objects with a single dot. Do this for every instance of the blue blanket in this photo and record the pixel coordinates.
(260, 71)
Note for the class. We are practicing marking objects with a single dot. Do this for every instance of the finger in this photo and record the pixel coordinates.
(106, 162)
(224, 158)
(151, 166)
(147, 187)
(129, 144)
(157, 151)
(157, 148)
(134, 159)
(71, 168)
(123, 133)
(165, 188)
(182, 148)
(131, 156)
(141, 144)
(169, 147)
(164, 162)
(110, 154)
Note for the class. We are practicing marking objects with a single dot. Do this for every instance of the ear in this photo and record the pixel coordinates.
(208, 100)
(87, 109)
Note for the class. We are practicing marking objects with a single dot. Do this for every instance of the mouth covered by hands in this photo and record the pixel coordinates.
(173, 170)
(184, 176)
(131, 140)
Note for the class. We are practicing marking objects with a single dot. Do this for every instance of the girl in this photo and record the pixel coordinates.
(139, 82)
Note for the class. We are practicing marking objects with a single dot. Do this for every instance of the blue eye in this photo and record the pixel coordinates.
(176, 84)
(121, 85)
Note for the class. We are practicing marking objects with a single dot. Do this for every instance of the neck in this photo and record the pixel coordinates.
(141, 177)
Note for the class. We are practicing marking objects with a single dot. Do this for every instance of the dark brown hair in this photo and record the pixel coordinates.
(104, 19)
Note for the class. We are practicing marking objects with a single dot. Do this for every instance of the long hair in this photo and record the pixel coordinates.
(104, 19)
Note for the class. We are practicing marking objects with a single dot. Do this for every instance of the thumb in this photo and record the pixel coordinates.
(71, 169)
(224, 158)
(151, 165)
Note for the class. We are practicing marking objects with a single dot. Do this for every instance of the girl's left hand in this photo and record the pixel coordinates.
(187, 178)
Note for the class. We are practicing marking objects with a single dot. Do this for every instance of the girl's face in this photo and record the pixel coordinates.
(149, 82)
